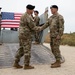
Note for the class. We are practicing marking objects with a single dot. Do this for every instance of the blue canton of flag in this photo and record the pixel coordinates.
(7, 15)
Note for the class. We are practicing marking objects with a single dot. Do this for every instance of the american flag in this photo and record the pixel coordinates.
(10, 20)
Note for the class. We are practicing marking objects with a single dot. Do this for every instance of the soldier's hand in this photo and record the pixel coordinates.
(39, 29)
(58, 37)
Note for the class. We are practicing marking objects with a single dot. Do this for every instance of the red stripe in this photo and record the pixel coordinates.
(10, 26)
(17, 18)
(18, 13)
(10, 23)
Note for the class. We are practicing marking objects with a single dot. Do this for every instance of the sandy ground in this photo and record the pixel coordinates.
(67, 68)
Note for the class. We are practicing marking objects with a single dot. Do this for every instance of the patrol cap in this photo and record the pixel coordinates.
(29, 6)
(36, 11)
(54, 6)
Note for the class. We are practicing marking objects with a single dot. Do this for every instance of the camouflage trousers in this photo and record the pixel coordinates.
(37, 37)
(55, 48)
(24, 50)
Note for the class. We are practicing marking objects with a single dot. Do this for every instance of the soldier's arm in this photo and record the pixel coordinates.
(61, 25)
(22, 20)
(32, 25)
(45, 25)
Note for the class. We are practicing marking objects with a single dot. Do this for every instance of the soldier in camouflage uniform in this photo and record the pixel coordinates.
(36, 20)
(27, 26)
(56, 24)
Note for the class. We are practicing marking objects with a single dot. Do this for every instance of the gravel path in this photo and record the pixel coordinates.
(67, 68)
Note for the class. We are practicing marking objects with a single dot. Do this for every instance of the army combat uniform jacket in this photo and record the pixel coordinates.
(27, 26)
(56, 25)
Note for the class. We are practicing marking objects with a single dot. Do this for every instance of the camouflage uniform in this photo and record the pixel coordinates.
(56, 24)
(27, 26)
(37, 19)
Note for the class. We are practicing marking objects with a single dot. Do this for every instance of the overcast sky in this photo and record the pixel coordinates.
(66, 8)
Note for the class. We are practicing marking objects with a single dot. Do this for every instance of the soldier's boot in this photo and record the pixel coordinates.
(61, 61)
(0, 43)
(27, 62)
(17, 66)
(56, 64)
(28, 67)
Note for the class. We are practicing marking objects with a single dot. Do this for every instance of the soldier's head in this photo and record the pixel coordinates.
(54, 9)
(30, 9)
(36, 13)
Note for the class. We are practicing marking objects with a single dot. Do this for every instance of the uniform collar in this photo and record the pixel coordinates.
(30, 16)
(55, 15)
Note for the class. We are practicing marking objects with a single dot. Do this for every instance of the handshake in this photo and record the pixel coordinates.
(39, 29)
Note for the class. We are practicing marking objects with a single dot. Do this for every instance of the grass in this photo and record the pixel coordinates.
(67, 39)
